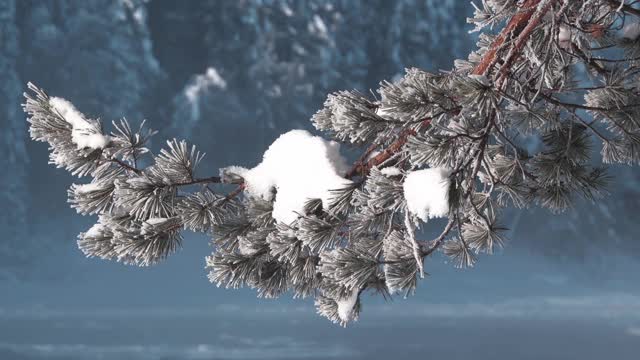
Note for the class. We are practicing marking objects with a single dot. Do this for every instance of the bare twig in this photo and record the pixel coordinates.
(439, 240)
(125, 165)
(513, 28)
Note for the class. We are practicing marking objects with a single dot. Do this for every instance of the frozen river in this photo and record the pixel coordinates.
(602, 327)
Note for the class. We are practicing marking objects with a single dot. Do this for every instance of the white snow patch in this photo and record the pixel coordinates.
(84, 133)
(95, 231)
(86, 188)
(202, 83)
(631, 30)
(346, 306)
(155, 221)
(391, 171)
(564, 37)
(427, 193)
(244, 247)
(148, 224)
(320, 26)
(299, 166)
(286, 9)
(384, 112)
(199, 86)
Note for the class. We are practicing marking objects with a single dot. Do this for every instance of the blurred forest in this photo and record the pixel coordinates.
(229, 76)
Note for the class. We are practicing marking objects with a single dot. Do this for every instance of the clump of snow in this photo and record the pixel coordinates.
(95, 231)
(427, 193)
(384, 112)
(346, 306)
(86, 188)
(84, 134)
(155, 221)
(202, 83)
(299, 166)
(391, 171)
(244, 247)
(564, 37)
(631, 30)
(148, 225)
(197, 88)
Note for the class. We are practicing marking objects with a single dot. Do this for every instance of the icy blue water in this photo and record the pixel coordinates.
(511, 306)
(586, 328)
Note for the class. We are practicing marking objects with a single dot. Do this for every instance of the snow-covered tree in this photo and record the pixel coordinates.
(513, 125)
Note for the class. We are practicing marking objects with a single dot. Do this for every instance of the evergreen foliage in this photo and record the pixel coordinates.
(520, 86)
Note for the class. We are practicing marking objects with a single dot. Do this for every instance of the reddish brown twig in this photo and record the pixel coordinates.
(519, 27)
(522, 37)
(236, 192)
(513, 28)
(363, 167)
(359, 164)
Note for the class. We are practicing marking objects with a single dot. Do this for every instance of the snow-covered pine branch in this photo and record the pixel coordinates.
(454, 145)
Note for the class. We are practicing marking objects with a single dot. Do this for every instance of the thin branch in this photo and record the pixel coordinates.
(588, 60)
(411, 232)
(555, 101)
(522, 39)
(235, 192)
(209, 180)
(619, 5)
(513, 28)
(125, 165)
(439, 240)
(362, 168)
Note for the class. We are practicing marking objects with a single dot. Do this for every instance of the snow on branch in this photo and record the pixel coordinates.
(427, 193)
(435, 145)
(85, 133)
(296, 168)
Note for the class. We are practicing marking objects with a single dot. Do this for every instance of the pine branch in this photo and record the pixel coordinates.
(532, 22)
(511, 31)
(520, 25)
(450, 147)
